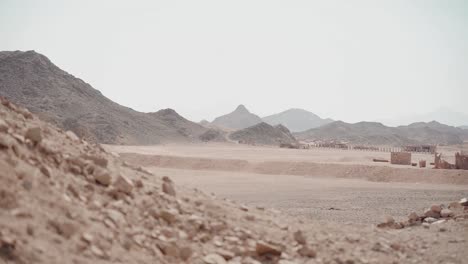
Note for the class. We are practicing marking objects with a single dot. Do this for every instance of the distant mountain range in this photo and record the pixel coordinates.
(238, 119)
(441, 115)
(31, 80)
(296, 120)
(374, 133)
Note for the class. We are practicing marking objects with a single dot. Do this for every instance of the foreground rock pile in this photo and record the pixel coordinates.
(63, 200)
(436, 214)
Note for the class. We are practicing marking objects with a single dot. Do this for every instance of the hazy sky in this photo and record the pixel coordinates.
(349, 60)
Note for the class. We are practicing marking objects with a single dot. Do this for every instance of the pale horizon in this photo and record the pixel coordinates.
(365, 61)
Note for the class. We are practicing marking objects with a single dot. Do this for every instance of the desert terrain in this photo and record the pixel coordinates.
(314, 184)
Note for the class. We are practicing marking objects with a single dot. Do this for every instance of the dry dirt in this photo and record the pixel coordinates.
(320, 184)
(64, 200)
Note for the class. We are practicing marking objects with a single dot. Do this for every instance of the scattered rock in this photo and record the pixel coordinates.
(34, 134)
(306, 251)
(103, 177)
(168, 188)
(263, 248)
(123, 184)
(445, 213)
(430, 220)
(214, 259)
(3, 126)
(299, 237)
(463, 202)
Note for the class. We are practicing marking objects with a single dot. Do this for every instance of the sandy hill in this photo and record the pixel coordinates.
(33, 81)
(264, 134)
(238, 119)
(296, 120)
(378, 134)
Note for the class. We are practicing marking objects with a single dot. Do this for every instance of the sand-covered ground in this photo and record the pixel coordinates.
(320, 184)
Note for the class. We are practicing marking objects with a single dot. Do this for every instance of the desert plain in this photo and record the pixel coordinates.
(343, 186)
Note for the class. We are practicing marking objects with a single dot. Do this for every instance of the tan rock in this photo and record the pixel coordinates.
(102, 177)
(168, 215)
(431, 213)
(65, 229)
(6, 141)
(263, 248)
(168, 188)
(214, 259)
(299, 237)
(98, 160)
(463, 202)
(3, 126)
(446, 213)
(185, 253)
(226, 254)
(436, 208)
(306, 251)
(34, 134)
(123, 184)
(71, 135)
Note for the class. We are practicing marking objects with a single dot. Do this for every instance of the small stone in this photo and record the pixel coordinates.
(306, 251)
(138, 183)
(168, 215)
(3, 126)
(455, 205)
(446, 213)
(430, 220)
(98, 160)
(87, 237)
(6, 141)
(214, 259)
(65, 229)
(463, 202)
(34, 134)
(426, 225)
(227, 255)
(123, 184)
(168, 188)
(103, 177)
(436, 208)
(71, 135)
(299, 237)
(185, 253)
(432, 214)
(413, 217)
(97, 251)
(244, 208)
(263, 248)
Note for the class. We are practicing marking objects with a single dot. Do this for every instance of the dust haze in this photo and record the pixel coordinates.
(240, 132)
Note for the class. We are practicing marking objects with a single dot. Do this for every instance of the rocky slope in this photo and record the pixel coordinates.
(64, 200)
(378, 134)
(238, 119)
(31, 80)
(296, 120)
(264, 134)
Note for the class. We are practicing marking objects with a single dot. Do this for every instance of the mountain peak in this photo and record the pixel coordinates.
(241, 108)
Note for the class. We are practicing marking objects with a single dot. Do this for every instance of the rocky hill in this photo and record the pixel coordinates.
(374, 133)
(264, 134)
(238, 119)
(31, 80)
(296, 120)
